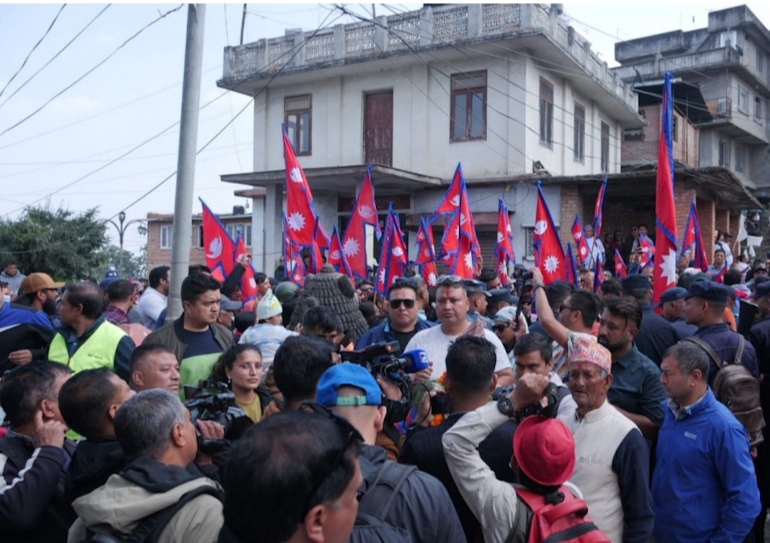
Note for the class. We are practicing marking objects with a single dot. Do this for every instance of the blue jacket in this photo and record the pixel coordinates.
(383, 332)
(704, 487)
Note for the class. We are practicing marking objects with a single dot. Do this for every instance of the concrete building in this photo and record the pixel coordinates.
(160, 231)
(728, 62)
(511, 91)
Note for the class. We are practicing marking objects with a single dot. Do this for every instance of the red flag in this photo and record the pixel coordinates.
(467, 226)
(337, 256)
(720, 276)
(648, 250)
(295, 265)
(694, 239)
(572, 273)
(598, 275)
(248, 282)
(450, 241)
(463, 264)
(219, 246)
(579, 235)
(549, 254)
(354, 240)
(300, 215)
(504, 245)
(426, 252)
(620, 267)
(664, 273)
(451, 201)
(393, 258)
(429, 273)
(298, 270)
(316, 254)
(598, 210)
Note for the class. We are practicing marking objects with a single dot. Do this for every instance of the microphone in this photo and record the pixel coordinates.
(416, 360)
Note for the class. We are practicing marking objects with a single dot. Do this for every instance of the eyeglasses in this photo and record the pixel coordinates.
(500, 327)
(395, 304)
(562, 307)
(353, 437)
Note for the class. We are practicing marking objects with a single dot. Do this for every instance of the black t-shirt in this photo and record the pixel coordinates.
(403, 339)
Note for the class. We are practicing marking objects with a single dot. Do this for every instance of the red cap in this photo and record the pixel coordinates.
(545, 450)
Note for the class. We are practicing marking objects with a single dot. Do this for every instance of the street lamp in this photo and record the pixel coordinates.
(122, 227)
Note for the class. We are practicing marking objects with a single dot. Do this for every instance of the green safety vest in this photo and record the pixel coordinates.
(97, 352)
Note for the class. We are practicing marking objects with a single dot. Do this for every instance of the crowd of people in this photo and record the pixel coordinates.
(540, 411)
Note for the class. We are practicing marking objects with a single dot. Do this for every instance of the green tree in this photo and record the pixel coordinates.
(59, 242)
(126, 263)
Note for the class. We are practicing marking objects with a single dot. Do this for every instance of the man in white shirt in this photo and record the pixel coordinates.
(595, 248)
(452, 306)
(155, 298)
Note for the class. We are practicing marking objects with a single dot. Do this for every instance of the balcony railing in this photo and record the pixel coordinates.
(720, 108)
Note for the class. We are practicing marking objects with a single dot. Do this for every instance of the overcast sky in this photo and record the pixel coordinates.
(136, 94)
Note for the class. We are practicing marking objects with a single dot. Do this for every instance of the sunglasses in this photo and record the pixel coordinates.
(500, 327)
(562, 307)
(395, 304)
(352, 437)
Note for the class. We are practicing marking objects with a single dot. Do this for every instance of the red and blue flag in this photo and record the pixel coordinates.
(218, 246)
(549, 253)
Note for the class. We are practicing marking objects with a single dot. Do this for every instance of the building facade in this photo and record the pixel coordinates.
(511, 91)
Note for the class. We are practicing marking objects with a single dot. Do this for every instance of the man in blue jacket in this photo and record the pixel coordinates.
(703, 487)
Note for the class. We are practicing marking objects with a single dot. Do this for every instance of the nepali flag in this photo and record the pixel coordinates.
(298, 270)
(720, 275)
(301, 218)
(337, 256)
(694, 239)
(572, 269)
(504, 245)
(450, 241)
(598, 210)
(248, 280)
(579, 235)
(320, 240)
(598, 276)
(426, 255)
(219, 247)
(664, 272)
(549, 254)
(620, 267)
(648, 250)
(470, 248)
(354, 240)
(393, 257)
(451, 202)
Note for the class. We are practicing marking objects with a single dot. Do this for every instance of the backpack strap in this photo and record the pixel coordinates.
(382, 493)
(17, 451)
(739, 350)
(710, 350)
(149, 528)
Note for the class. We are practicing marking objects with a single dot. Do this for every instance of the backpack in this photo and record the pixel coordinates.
(736, 388)
(383, 491)
(369, 529)
(557, 518)
(148, 529)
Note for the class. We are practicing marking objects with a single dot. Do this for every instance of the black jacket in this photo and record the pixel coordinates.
(92, 464)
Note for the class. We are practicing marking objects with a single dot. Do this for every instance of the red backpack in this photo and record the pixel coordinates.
(564, 522)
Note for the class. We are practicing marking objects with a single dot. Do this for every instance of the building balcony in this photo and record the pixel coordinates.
(426, 29)
(720, 108)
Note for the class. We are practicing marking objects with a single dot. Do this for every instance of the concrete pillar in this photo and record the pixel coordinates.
(722, 221)
(258, 234)
(273, 220)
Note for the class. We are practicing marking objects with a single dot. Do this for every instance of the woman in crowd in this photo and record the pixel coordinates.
(241, 368)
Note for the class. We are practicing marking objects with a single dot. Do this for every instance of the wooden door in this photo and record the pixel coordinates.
(378, 128)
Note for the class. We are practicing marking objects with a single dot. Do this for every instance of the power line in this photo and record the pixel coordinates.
(33, 48)
(56, 55)
(38, 110)
(294, 51)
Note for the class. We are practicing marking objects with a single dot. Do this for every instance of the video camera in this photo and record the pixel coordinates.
(380, 361)
(213, 400)
(548, 410)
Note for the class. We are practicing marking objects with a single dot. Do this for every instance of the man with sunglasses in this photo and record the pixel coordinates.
(452, 307)
(394, 493)
(403, 322)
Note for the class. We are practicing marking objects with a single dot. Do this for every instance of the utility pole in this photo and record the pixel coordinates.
(188, 144)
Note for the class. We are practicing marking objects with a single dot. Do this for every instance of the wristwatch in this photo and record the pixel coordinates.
(506, 407)
(537, 286)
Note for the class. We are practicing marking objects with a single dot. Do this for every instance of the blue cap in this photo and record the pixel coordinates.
(672, 295)
(352, 375)
(635, 281)
(708, 290)
(763, 289)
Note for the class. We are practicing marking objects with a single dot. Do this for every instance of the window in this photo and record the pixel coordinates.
(166, 235)
(724, 153)
(726, 36)
(546, 112)
(469, 107)
(740, 158)
(298, 114)
(757, 107)
(199, 237)
(579, 143)
(674, 125)
(245, 229)
(743, 99)
(760, 62)
(605, 150)
(529, 239)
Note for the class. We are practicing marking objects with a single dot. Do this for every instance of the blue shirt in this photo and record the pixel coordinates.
(384, 332)
(655, 335)
(10, 315)
(704, 487)
(636, 386)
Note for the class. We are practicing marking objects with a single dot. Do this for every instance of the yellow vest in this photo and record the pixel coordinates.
(97, 352)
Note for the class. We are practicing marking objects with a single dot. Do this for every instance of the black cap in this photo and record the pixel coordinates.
(763, 289)
(502, 295)
(709, 291)
(475, 287)
(672, 295)
(635, 281)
